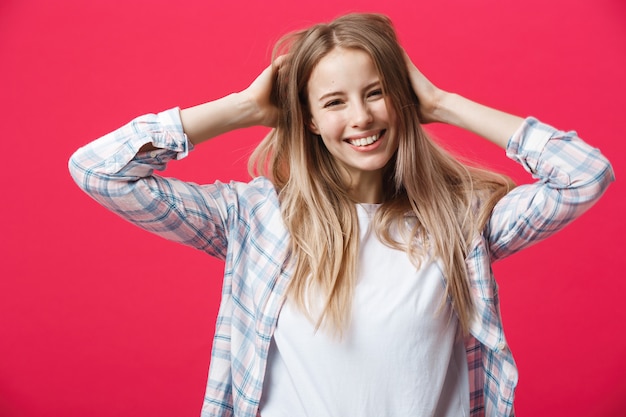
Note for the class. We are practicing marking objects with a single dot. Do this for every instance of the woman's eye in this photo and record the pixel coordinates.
(332, 103)
(375, 93)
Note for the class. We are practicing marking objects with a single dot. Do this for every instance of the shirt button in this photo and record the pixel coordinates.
(153, 154)
(501, 346)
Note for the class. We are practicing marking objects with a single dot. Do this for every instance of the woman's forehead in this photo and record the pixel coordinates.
(342, 69)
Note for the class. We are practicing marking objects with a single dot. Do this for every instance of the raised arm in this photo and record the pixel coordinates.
(441, 106)
(570, 174)
(250, 107)
(117, 170)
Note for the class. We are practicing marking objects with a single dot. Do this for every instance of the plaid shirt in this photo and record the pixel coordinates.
(241, 224)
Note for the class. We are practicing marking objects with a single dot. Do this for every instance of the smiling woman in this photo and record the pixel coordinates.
(361, 251)
(349, 112)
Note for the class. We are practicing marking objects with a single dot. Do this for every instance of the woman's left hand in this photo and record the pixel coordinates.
(437, 105)
(428, 94)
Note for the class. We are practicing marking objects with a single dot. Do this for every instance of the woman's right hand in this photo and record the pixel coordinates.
(250, 107)
(259, 92)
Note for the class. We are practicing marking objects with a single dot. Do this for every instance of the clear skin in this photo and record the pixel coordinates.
(252, 107)
(347, 105)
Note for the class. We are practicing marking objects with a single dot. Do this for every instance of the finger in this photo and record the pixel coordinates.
(279, 60)
(407, 59)
(280, 63)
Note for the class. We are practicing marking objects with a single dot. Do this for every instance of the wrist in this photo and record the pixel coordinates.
(446, 108)
(247, 112)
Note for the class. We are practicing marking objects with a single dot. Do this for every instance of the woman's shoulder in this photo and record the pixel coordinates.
(258, 189)
(481, 202)
(259, 208)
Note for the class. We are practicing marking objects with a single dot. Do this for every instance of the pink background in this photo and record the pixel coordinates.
(98, 318)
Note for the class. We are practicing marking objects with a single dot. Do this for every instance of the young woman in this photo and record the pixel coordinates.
(358, 278)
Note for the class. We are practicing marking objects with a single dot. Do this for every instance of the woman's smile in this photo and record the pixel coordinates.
(365, 143)
(349, 111)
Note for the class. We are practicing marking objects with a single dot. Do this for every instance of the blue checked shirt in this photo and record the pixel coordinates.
(241, 224)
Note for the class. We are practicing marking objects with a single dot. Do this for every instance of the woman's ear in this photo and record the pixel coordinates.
(313, 127)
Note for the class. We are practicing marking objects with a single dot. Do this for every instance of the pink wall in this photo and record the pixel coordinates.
(98, 318)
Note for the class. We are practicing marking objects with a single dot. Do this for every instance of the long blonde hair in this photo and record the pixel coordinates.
(421, 181)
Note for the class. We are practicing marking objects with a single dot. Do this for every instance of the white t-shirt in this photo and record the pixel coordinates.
(402, 355)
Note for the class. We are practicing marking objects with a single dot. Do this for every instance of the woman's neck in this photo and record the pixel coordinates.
(366, 188)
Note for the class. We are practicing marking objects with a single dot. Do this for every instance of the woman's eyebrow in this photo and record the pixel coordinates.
(338, 92)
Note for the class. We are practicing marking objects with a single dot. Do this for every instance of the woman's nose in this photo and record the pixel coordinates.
(361, 115)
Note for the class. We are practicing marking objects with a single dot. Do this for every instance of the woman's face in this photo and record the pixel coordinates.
(349, 111)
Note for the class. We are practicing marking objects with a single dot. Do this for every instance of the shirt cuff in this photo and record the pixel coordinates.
(528, 142)
(169, 135)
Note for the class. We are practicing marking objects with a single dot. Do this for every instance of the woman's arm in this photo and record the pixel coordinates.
(250, 107)
(437, 105)
(570, 174)
(117, 170)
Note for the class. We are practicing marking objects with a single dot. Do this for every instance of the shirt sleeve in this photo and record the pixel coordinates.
(570, 177)
(113, 172)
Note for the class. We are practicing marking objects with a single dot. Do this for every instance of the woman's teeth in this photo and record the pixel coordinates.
(365, 141)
